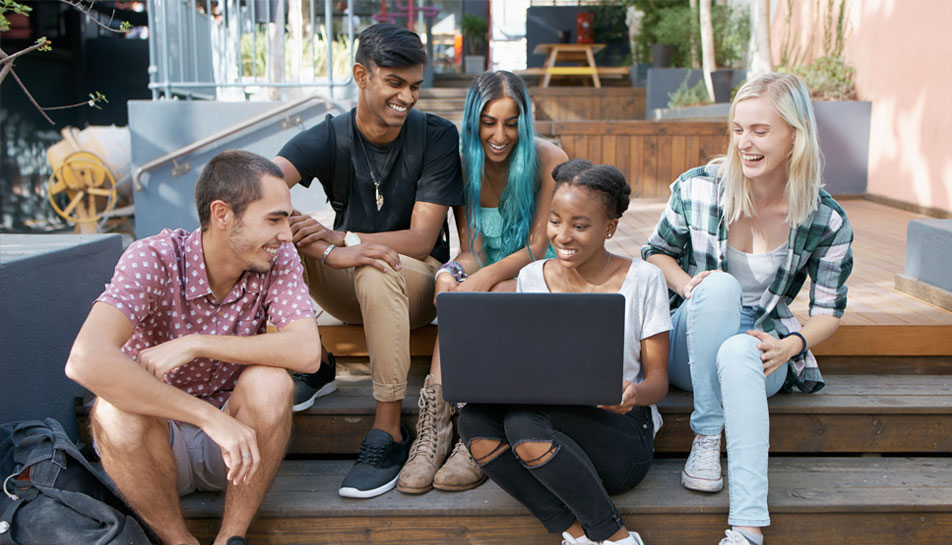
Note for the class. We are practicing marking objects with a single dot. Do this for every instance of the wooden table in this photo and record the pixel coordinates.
(581, 54)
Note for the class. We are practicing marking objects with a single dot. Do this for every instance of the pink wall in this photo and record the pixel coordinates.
(902, 53)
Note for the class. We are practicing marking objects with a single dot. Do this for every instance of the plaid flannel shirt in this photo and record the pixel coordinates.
(692, 231)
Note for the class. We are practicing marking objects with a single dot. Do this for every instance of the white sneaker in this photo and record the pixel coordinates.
(734, 538)
(632, 539)
(702, 471)
(567, 539)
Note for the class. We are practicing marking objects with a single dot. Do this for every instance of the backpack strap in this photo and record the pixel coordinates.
(414, 147)
(342, 137)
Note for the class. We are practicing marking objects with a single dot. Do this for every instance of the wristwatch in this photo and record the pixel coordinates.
(351, 239)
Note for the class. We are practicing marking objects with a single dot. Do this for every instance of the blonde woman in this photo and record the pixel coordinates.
(735, 243)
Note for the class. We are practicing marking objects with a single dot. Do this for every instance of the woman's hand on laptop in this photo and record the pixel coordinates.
(628, 396)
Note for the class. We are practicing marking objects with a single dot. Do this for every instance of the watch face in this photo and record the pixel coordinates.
(351, 239)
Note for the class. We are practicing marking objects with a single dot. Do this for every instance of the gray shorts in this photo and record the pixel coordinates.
(198, 462)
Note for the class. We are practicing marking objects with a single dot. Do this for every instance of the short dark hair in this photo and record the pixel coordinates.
(234, 177)
(389, 45)
(606, 180)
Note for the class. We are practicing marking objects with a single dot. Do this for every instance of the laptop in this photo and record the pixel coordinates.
(532, 348)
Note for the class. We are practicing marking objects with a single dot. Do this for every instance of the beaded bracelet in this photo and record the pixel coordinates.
(453, 268)
(803, 340)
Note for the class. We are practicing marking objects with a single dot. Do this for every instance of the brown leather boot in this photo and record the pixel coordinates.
(460, 471)
(434, 434)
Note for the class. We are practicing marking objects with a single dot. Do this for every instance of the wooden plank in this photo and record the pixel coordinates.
(812, 500)
(889, 413)
(650, 161)
(657, 529)
(641, 127)
(881, 340)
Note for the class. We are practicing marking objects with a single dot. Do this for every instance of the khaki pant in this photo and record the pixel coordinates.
(388, 304)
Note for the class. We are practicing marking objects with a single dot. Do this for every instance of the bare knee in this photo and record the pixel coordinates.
(266, 392)
(486, 450)
(115, 428)
(535, 453)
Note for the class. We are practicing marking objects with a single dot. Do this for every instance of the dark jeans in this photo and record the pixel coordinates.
(596, 453)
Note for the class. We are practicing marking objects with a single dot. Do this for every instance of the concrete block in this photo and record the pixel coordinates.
(929, 252)
(47, 285)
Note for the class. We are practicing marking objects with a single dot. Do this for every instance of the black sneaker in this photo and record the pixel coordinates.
(310, 386)
(378, 465)
(236, 540)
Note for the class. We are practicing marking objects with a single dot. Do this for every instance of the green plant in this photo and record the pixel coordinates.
(653, 11)
(676, 24)
(313, 56)
(686, 95)
(609, 27)
(830, 76)
(474, 29)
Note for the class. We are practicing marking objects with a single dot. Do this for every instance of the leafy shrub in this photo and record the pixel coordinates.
(689, 96)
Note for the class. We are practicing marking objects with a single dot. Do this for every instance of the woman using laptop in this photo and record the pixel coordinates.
(736, 241)
(564, 462)
(508, 187)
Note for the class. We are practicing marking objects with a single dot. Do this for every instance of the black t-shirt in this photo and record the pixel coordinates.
(313, 152)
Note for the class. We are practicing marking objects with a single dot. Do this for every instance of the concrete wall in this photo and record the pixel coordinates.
(159, 127)
(902, 55)
(47, 285)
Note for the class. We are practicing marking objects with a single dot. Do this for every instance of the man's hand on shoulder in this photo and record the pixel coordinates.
(164, 358)
(366, 253)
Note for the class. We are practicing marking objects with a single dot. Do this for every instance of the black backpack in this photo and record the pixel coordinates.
(52, 495)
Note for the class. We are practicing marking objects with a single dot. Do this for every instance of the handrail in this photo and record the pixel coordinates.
(234, 129)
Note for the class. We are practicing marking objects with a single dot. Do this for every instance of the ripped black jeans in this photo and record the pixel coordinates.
(597, 453)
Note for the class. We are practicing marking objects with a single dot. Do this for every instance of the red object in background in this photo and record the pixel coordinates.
(584, 21)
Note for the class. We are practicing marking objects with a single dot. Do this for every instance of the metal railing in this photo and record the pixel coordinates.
(212, 48)
(179, 169)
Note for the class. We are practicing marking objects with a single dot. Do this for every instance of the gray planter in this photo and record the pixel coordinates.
(842, 130)
(663, 81)
(474, 64)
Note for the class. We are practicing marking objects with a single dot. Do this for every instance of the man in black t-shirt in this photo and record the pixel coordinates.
(391, 174)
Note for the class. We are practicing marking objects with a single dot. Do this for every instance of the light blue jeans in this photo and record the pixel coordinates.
(713, 357)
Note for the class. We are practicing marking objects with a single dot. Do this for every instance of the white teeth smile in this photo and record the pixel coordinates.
(272, 251)
(749, 157)
(398, 108)
(565, 252)
(497, 147)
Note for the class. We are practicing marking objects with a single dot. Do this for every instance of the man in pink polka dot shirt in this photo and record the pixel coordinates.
(191, 395)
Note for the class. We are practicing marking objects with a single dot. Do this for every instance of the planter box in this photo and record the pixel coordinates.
(842, 129)
(663, 81)
(474, 64)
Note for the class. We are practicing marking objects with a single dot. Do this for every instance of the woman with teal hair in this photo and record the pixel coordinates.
(508, 186)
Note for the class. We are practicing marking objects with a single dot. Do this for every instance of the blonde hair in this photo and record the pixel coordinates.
(791, 99)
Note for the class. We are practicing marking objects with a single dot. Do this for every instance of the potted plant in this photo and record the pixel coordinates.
(474, 29)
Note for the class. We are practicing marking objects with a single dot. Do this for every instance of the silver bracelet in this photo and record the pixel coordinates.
(326, 252)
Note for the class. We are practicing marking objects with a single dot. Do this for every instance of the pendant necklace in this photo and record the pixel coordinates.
(598, 280)
(373, 175)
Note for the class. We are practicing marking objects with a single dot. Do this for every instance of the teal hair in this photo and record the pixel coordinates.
(518, 200)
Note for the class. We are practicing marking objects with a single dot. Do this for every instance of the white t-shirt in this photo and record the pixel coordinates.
(646, 313)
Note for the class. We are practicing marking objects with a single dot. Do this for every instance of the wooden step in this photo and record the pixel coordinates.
(852, 414)
(853, 349)
(821, 501)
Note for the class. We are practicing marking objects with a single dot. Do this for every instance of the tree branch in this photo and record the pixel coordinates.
(86, 7)
(4, 58)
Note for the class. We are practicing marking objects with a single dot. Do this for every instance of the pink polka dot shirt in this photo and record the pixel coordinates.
(161, 285)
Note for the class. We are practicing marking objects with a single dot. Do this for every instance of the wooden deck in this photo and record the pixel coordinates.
(879, 320)
(879, 250)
